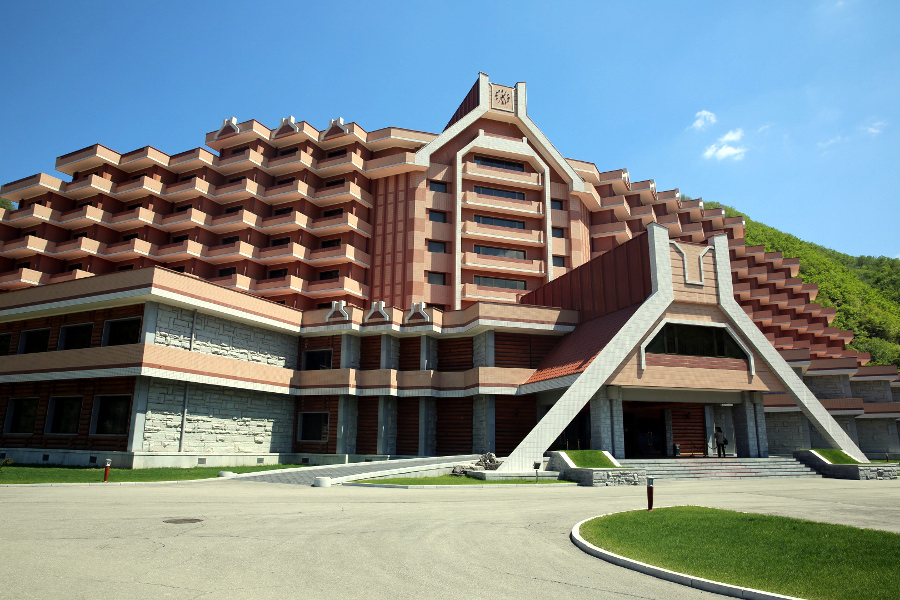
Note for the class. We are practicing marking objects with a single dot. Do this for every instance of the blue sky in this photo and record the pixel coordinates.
(786, 111)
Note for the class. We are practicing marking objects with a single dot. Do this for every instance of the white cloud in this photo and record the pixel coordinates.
(723, 149)
(874, 128)
(763, 128)
(704, 118)
(836, 139)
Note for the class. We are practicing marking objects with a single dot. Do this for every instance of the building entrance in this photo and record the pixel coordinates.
(577, 435)
(645, 430)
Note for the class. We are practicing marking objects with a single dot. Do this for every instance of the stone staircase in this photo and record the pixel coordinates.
(720, 468)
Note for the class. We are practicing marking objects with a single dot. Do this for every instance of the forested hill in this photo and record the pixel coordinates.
(865, 290)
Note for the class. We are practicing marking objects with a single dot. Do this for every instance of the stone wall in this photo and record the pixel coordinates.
(221, 337)
(877, 436)
(787, 431)
(219, 420)
(871, 391)
(607, 477)
(828, 386)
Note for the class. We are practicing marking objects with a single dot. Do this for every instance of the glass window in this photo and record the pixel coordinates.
(505, 252)
(336, 153)
(230, 239)
(335, 243)
(237, 179)
(487, 161)
(499, 282)
(315, 360)
(113, 415)
(695, 340)
(334, 212)
(233, 209)
(239, 150)
(122, 331)
(558, 232)
(559, 261)
(438, 186)
(73, 337)
(328, 275)
(74, 267)
(437, 216)
(498, 222)
(33, 341)
(437, 278)
(182, 208)
(286, 181)
(64, 414)
(129, 237)
(177, 239)
(287, 152)
(278, 273)
(486, 191)
(125, 268)
(334, 182)
(22, 414)
(283, 211)
(227, 272)
(557, 205)
(280, 242)
(178, 269)
(5, 340)
(312, 427)
(439, 247)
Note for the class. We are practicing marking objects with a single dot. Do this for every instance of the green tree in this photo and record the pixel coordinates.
(4, 203)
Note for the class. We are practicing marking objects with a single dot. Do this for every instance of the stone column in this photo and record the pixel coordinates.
(762, 435)
(670, 434)
(390, 352)
(427, 426)
(347, 419)
(428, 354)
(722, 417)
(483, 349)
(349, 351)
(744, 417)
(387, 425)
(618, 421)
(138, 414)
(148, 324)
(483, 439)
(601, 422)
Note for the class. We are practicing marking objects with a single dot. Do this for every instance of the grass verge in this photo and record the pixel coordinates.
(836, 457)
(590, 459)
(451, 480)
(55, 474)
(801, 558)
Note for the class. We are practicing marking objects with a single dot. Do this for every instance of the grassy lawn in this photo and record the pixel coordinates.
(590, 459)
(451, 480)
(836, 457)
(54, 474)
(811, 560)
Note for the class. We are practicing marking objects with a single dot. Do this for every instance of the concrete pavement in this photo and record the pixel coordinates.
(264, 540)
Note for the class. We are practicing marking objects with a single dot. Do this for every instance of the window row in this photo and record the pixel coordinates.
(116, 332)
(111, 415)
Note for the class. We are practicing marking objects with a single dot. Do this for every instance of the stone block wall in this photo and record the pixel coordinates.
(878, 436)
(607, 477)
(221, 337)
(871, 391)
(787, 431)
(828, 386)
(219, 420)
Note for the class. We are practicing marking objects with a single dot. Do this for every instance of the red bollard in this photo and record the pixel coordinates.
(649, 493)
(106, 471)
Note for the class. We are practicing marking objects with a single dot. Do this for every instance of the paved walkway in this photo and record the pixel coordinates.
(307, 475)
(264, 541)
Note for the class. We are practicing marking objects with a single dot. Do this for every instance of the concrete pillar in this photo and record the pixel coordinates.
(483, 423)
(483, 349)
(722, 417)
(387, 425)
(138, 414)
(349, 351)
(744, 418)
(427, 426)
(347, 420)
(618, 421)
(601, 422)
(148, 324)
(762, 436)
(710, 428)
(390, 352)
(428, 357)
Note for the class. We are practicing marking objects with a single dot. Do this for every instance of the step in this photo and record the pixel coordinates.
(720, 468)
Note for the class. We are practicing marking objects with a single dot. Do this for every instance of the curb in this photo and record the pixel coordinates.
(699, 583)
(465, 485)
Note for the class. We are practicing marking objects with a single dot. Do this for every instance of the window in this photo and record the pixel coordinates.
(437, 216)
(334, 212)
(498, 222)
(277, 273)
(336, 153)
(73, 337)
(280, 242)
(286, 181)
(323, 305)
(283, 211)
(239, 150)
(287, 152)
(74, 267)
(136, 177)
(233, 209)
(334, 182)
(179, 269)
(328, 275)
(437, 278)
(439, 247)
(486, 191)
(63, 415)
(315, 360)
(231, 239)
(486, 161)
(21, 415)
(34, 341)
(559, 261)
(128, 237)
(77, 236)
(122, 331)
(558, 232)
(442, 307)
(177, 239)
(23, 265)
(498, 282)
(504, 252)
(134, 206)
(557, 205)
(237, 179)
(5, 340)
(695, 340)
(112, 415)
(227, 272)
(438, 186)
(125, 268)
(188, 177)
(182, 208)
(335, 243)
(312, 427)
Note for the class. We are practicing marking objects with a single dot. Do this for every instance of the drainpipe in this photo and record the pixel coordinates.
(184, 403)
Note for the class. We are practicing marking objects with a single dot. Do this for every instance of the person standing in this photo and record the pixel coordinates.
(721, 442)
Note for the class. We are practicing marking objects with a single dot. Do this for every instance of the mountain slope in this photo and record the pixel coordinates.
(865, 290)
